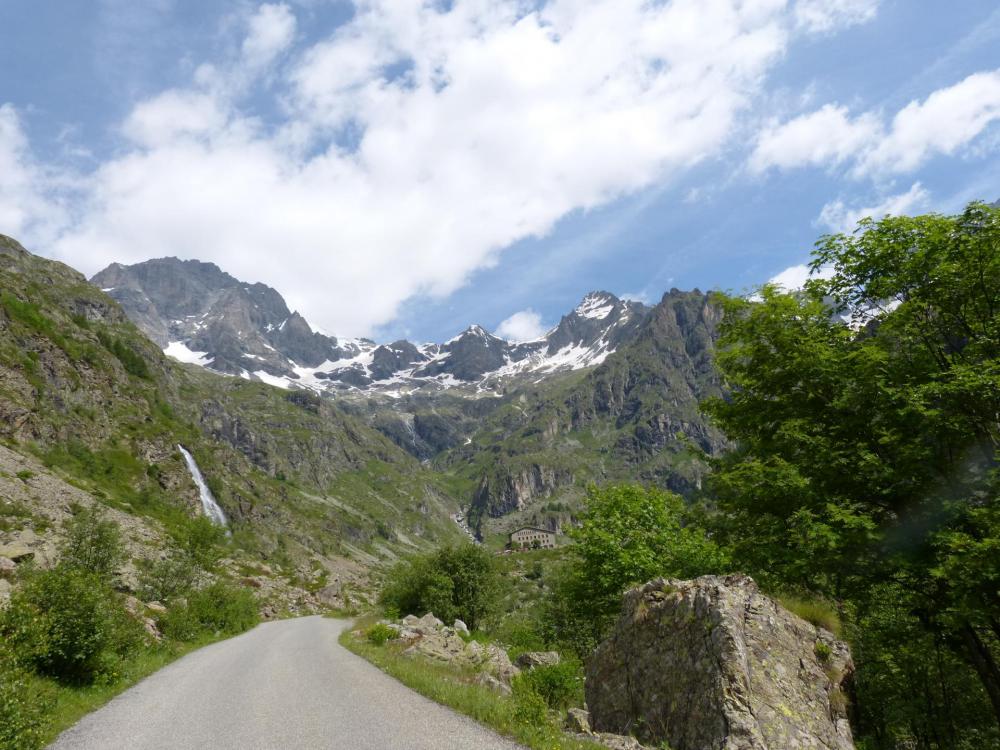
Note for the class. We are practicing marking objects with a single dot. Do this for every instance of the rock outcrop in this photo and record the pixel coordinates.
(428, 637)
(713, 664)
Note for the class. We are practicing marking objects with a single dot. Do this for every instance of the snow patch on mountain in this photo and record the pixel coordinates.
(178, 350)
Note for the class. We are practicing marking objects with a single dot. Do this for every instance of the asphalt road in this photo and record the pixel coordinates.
(283, 685)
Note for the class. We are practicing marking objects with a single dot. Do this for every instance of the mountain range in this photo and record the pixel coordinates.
(197, 313)
(364, 452)
(518, 429)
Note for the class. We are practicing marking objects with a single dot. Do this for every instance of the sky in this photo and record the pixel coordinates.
(398, 168)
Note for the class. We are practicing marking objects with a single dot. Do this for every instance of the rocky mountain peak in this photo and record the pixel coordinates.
(200, 314)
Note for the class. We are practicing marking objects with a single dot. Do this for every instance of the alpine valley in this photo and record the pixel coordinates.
(332, 457)
(515, 430)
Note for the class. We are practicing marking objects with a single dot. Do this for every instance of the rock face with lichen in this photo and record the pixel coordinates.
(713, 664)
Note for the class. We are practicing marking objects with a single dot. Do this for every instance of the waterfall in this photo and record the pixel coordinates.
(208, 502)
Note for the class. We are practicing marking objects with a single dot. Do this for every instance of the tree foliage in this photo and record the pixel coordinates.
(93, 543)
(865, 410)
(458, 582)
(629, 534)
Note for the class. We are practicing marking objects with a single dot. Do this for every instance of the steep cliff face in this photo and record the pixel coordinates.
(634, 417)
(199, 313)
(507, 489)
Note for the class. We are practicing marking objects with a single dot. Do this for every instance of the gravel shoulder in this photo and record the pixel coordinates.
(285, 684)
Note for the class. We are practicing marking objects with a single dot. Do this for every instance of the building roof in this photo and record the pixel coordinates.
(532, 528)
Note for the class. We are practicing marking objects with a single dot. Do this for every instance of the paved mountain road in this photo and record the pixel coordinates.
(282, 686)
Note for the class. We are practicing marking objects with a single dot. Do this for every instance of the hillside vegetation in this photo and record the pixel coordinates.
(859, 488)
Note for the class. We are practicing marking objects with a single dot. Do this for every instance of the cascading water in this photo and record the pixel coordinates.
(208, 503)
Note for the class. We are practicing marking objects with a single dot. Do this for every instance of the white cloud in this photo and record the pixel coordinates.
(825, 15)
(642, 297)
(525, 325)
(271, 31)
(795, 277)
(417, 141)
(946, 121)
(173, 116)
(31, 202)
(839, 217)
(826, 136)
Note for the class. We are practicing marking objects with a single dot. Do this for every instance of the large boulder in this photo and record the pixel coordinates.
(713, 664)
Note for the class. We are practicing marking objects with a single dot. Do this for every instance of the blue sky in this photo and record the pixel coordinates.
(396, 169)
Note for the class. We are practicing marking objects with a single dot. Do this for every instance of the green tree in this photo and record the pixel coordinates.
(628, 535)
(458, 582)
(93, 543)
(68, 623)
(866, 456)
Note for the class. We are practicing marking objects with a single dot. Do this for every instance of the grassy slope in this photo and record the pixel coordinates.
(81, 388)
(455, 688)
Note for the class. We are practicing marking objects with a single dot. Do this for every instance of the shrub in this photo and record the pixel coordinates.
(93, 543)
(529, 707)
(559, 685)
(70, 624)
(22, 706)
(459, 582)
(818, 612)
(202, 540)
(520, 633)
(133, 363)
(379, 633)
(179, 623)
(167, 579)
(219, 608)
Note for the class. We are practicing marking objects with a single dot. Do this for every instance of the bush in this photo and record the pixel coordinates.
(70, 624)
(459, 582)
(93, 543)
(559, 685)
(529, 707)
(520, 633)
(219, 608)
(379, 633)
(22, 706)
(133, 362)
(818, 612)
(201, 540)
(179, 623)
(167, 579)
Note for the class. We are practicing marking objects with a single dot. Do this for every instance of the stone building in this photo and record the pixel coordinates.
(531, 537)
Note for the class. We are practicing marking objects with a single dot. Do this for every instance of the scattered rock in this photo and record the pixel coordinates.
(578, 721)
(532, 659)
(156, 607)
(17, 552)
(428, 623)
(7, 566)
(713, 663)
(489, 681)
(429, 637)
(331, 595)
(497, 662)
(151, 630)
(461, 627)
